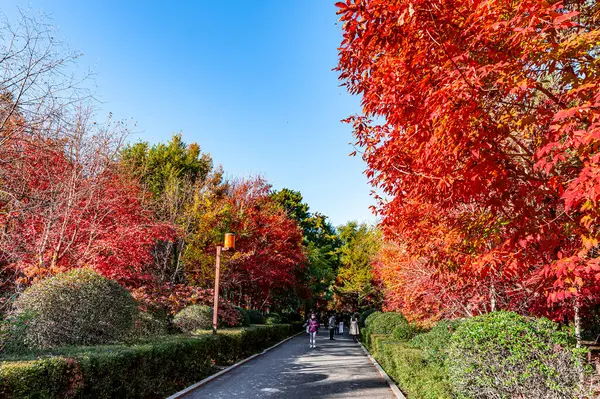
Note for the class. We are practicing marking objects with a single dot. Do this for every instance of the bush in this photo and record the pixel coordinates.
(363, 316)
(434, 343)
(245, 316)
(150, 370)
(371, 317)
(12, 332)
(79, 307)
(256, 317)
(505, 355)
(273, 318)
(408, 366)
(148, 324)
(194, 317)
(229, 316)
(385, 323)
(404, 332)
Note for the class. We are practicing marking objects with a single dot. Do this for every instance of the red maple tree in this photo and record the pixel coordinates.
(480, 129)
(61, 211)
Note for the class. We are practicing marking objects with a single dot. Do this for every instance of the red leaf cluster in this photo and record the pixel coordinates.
(481, 133)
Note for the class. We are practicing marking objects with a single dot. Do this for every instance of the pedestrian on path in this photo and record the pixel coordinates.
(354, 328)
(340, 325)
(331, 326)
(313, 328)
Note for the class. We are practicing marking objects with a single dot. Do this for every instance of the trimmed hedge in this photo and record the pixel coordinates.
(409, 367)
(362, 317)
(150, 370)
(434, 343)
(497, 355)
(386, 323)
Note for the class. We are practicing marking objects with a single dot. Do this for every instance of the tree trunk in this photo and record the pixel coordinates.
(577, 322)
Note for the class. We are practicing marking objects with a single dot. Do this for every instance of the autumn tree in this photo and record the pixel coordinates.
(63, 204)
(479, 129)
(73, 208)
(174, 174)
(269, 254)
(356, 286)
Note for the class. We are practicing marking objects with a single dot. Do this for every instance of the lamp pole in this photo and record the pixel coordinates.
(229, 245)
(216, 299)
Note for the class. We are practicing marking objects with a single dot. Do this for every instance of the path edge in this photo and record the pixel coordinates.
(208, 379)
(384, 375)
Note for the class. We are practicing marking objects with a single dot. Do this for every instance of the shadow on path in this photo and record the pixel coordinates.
(334, 369)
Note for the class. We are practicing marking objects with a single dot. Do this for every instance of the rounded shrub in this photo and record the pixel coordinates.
(256, 317)
(229, 315)
(147, 324)
(369, 318)
(404, 332)
(12, 332)
(434, 343)
(385, 323)
(273, 318)
(79, 307)
(194, 317)
(505, 355)
(362, 316)
(245, 316)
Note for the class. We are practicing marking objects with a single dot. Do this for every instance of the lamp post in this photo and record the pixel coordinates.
(229, 245)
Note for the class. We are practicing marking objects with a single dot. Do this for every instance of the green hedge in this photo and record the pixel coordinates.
(497, 355)
(509, 355)
(386, 323)
(409, 367)
(363, 316)
(148, 370)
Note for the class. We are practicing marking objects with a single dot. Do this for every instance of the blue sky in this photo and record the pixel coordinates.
(251, 82)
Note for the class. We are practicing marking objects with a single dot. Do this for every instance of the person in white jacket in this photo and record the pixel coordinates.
(354, 331)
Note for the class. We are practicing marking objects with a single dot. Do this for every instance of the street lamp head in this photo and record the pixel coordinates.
(229, 242)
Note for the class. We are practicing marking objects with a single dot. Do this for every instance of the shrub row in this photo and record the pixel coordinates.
(153, 369)
(498, 355)
(416, 376)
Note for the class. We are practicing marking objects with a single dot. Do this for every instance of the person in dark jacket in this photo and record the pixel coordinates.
(331, 326)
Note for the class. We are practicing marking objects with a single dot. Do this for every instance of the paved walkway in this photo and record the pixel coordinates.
(334, 369)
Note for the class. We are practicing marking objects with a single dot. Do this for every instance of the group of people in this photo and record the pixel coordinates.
(335, 325)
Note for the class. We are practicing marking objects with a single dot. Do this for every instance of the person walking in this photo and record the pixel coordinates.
(313, 328)
(331, 326)
(354, 331)
(340, 325)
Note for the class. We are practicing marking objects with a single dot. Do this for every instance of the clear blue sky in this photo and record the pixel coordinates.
(250, 81)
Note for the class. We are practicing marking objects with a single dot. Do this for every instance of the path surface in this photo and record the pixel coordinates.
(334, 369)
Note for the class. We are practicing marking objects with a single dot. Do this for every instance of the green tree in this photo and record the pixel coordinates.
(163, 167)
(321, 243)
(177, 176)
(356, 286)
